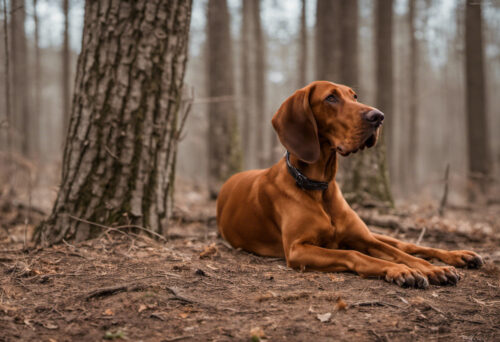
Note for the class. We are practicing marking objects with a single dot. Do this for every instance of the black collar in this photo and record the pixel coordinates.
(302, 181)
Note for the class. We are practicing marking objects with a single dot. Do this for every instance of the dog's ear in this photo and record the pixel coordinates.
(296, 127)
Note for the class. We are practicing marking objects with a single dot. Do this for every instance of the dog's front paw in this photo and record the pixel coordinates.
(441, 275)
(404, 276)
(467, 259)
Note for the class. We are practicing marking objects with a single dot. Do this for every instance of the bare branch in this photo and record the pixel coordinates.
(117, 228)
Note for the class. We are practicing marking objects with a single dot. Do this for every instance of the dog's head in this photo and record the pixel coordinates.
(325, 112)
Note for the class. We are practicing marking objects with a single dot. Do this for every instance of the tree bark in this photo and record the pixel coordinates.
(477, 132)
(384, 71)
(381, 161)
(246, 79)
(119, 157)
(260, 91)
(224, 153)
(66, 69)
(20, 86)
(328, 40)
(8, 108)
(349, 43)
(35, 127)
(363, 175)
(302, 61)
(410, 168)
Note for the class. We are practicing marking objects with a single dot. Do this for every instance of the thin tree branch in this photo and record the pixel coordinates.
(445, 193)
(117, 228)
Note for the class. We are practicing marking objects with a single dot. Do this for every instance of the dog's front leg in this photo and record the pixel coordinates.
(357, 236)
(307, 256)
(460, 258)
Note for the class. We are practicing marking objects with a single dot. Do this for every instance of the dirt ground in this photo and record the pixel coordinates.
(194, 287)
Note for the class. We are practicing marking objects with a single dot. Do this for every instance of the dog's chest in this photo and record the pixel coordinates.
(327, 238)
(328, 234)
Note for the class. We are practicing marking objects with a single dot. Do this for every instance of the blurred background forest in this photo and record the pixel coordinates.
(270, 49)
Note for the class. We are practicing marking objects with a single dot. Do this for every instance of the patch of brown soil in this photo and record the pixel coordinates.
(196, 288)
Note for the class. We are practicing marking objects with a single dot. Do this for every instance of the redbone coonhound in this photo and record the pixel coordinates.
(296, 210)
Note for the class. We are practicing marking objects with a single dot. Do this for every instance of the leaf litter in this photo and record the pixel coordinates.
(195, 288)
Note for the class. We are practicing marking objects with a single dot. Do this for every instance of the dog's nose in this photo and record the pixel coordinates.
(374, 116)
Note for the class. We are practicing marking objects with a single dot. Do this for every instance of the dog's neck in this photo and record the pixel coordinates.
(323, 170)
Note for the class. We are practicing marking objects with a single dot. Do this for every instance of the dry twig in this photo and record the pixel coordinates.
(175, 292)
(178, 338)
(110, 290)
(374, 303)
(445, 193)
(421, 236)
(117, 228)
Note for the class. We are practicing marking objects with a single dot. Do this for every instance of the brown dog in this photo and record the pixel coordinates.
(295, 208)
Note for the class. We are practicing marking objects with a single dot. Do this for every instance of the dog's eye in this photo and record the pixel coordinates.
(332, 98)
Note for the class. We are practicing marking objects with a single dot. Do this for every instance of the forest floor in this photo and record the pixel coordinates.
(194, 287)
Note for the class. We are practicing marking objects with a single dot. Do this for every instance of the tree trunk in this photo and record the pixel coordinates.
(302, 61)
(260, 91)
(410, 168)
(246, 79)
(368, 180)
(8, 108)
(384, 70)
(350, 168)
(35, 127)
(349, 43)
(477, 132)
(224, 156)
(20, 86)
(363, 175)
(328, 40)
(119, 157)
(66, 70)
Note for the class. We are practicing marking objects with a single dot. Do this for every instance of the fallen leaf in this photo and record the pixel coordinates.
(158, 315)
(336, 278)
(323, 318)
(266, 296)
(209, 251)
(52, 340)
(340, 305)
(142, 307)
(183, 314)
(257, 332)
(109, 335)
(417, 300)
(108, 312)
(50, 326)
